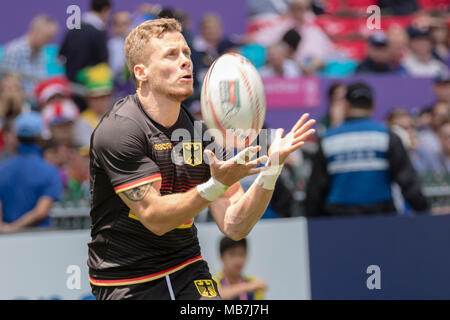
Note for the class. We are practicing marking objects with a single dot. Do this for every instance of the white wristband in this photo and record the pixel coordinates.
(211, 189)
(268, 178)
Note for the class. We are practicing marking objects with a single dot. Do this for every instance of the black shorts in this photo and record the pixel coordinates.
(193, 282)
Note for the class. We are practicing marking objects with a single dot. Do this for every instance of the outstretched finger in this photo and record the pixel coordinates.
(304, 136)
(304, 128)
(245, 155)
(257, 162)
(300, 122)
(211, 157)
(256, 170)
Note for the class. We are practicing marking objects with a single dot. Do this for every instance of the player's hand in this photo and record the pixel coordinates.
(231, 171)
(281, 146)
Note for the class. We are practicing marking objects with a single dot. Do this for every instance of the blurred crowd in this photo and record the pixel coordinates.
(47, 117)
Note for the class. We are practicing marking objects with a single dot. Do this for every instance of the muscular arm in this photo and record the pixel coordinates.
(161, 214)
(236, 212)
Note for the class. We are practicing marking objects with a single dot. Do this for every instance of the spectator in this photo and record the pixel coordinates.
(401, 122)
(441, 87)
(420, 62)
(379, 58)
(51, 90)
(24, 55)
(88, 45)
(60, 118)
(356, 164)
(60, 156)
(278, 64)
(76, 189)
(439, 162)
(440, 37)
(428, 138)
(13, 100)
(98, 83)
(121, 24)
(209, 44)
(398, 47)
(423, 120)
(336, 110)
(231, 283)
(9, 141)
(315, 46)
(28, 184)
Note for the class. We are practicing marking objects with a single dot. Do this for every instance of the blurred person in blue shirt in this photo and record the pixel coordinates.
(28, 184)
(357, 162)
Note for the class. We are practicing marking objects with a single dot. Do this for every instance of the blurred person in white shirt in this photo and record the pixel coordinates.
(278, 64)
(121, 24)
(419, 61)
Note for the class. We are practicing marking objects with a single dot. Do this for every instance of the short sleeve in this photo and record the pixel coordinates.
(120, 147)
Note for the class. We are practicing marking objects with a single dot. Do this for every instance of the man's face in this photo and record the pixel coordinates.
(440, 114)
(169, 67)
(212, 31)
(276, 55)
(421, 47)
(297, 11)
(379, 54)
(234, 260)
(44, 35)
(442, 91)
(121, 24)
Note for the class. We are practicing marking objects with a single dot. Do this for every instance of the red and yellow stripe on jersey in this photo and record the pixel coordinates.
(137, 183)
(150, 277)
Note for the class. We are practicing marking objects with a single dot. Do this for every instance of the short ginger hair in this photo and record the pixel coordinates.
(136, 43)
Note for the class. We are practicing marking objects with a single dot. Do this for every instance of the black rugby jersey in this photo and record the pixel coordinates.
(129, 149)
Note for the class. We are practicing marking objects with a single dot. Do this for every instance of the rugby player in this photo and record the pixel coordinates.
(144, 242)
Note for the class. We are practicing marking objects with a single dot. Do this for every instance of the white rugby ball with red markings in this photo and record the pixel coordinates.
(233, 101)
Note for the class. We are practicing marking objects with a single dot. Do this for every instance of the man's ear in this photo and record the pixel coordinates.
(141, 73)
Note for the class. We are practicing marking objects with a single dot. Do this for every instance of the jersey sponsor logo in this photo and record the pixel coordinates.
(192, 153)
(163, 146)
(205, 288)
(229, 97)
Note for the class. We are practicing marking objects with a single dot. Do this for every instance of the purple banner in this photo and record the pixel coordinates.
(16, 15)
(390, 92)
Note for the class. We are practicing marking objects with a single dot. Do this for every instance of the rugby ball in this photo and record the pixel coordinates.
(233, 102)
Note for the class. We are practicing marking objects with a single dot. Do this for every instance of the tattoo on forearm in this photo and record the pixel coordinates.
(138, 193)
